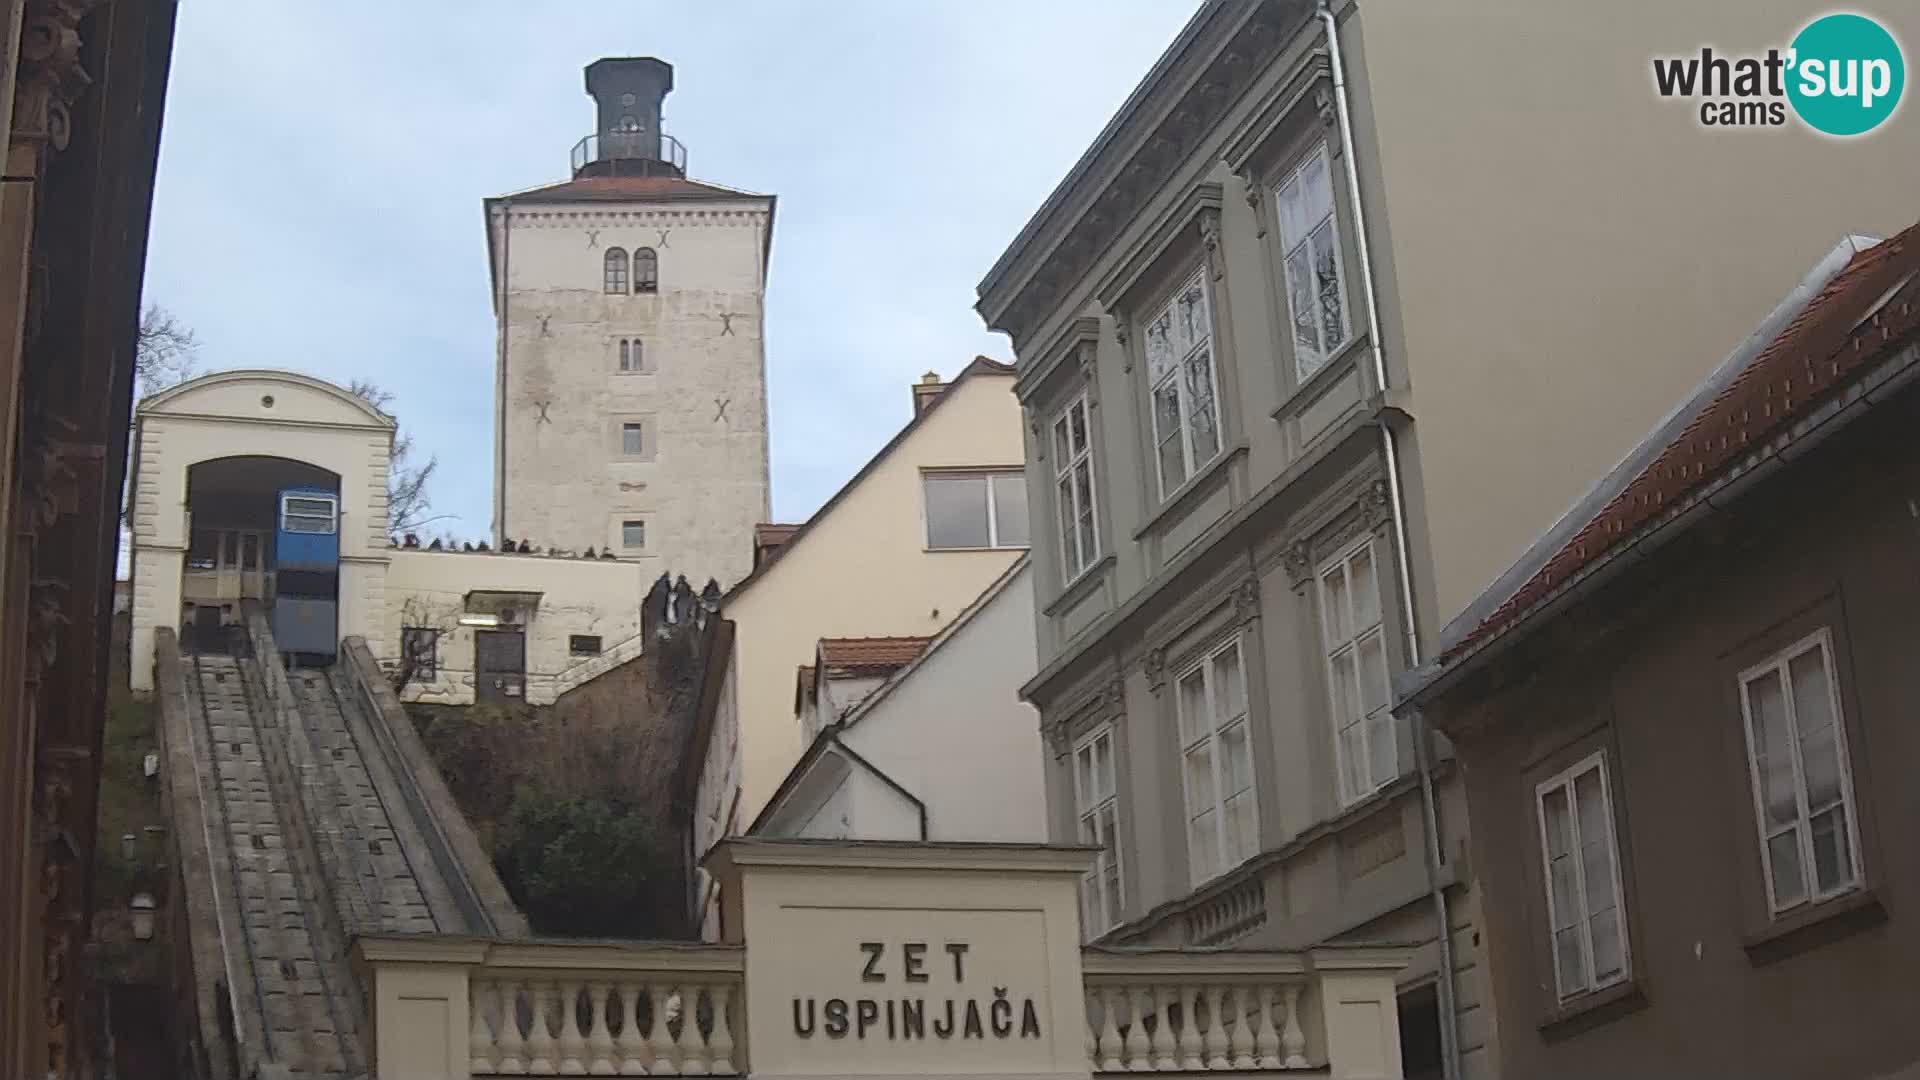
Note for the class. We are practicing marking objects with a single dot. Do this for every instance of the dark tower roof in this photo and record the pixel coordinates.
(627, 139)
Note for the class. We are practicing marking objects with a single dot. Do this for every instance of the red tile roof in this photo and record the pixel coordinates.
(623, 188)
(870, 655)
(1813, 354)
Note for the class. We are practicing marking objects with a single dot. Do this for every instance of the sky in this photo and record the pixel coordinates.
(322, 168)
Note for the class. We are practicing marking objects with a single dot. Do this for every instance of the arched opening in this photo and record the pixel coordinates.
(646, 271)
(616, 271)
(266, 531)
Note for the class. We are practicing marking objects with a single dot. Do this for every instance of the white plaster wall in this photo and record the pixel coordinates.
(955, 733)
(702, 482)
(226, 415)
(716, 798)
(863, 569)
(579, 596)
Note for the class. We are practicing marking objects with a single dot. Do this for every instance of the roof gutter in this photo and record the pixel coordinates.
(1886, 381)
(1397, 507)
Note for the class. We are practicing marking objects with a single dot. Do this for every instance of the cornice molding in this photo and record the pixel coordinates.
(1198, 209)
(1134, 179)
(523, 217)
(1079, 341)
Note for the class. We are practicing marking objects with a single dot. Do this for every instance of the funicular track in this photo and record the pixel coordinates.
(376, 881)
(297, 986)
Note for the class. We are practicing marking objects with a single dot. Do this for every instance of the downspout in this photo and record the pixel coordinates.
(1396, 501)
(500, 376)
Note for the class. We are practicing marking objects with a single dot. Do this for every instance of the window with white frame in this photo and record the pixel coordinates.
(1357, 679)
(1582, 864)
(1073, 489)
(1180, 372)
(1310, 248)
(1216, 767)
(308, 513)
(631, 442)
(1802, 781)
(1096, 800)
(976, 509)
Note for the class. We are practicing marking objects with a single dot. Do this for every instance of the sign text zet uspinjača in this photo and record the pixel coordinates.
(913, 1013)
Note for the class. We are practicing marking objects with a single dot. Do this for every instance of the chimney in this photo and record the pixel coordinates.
(924, 391)
(627, 92)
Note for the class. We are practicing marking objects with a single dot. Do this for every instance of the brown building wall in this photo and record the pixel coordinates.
(1648, 672)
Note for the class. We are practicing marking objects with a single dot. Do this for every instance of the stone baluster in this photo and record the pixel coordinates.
(480, 1057)
(1163, 1044)
(1216, 1030)
(1109, 1060)
(1266, 1041)
(632, 1044)
(1091, 999)
(599, 1032)
(540, 1052)
(1293, 1041)
(573, 1045)
(1139, 1049)
(659, 1040)
(693, 1051)
(722, 1041)
(512, 1059)
(1241, 1043)
(1190, 1045)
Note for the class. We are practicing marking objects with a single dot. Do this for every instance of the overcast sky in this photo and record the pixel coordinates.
(321, 171)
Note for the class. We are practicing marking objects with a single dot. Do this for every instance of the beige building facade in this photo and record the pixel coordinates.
(914, 538)
(1306, 359)
(631, 411)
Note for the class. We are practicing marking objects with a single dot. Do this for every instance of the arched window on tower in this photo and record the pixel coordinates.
(646, 271)
(616, 268)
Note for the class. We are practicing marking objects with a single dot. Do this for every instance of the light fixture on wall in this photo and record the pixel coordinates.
(479, 620)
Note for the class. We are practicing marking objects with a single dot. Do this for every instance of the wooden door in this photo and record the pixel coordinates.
(499, 666)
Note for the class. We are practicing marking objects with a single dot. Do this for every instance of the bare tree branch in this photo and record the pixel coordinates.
(163, 352)
(407, 501)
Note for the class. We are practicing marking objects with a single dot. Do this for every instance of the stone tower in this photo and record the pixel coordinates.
(630, 396)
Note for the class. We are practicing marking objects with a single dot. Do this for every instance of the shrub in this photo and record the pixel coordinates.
(585, 867)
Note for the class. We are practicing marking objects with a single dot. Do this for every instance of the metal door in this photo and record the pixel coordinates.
(499, 665)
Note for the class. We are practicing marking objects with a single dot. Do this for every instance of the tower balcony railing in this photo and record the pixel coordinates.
(631, 153)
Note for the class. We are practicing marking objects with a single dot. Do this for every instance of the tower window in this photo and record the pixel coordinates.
(630, 442)
(630, 357)
(616, 271)
(633, 534)
(646, 271)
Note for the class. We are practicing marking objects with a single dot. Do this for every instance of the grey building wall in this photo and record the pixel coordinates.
(1646, 672)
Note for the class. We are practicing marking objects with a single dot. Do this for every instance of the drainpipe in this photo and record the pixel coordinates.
(500, 376)
(1396, 500)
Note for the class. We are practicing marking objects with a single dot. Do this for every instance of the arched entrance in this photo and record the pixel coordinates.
(266, 530)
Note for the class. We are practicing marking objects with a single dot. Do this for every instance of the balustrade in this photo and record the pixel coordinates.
(1153, 1011)
(601, 1024)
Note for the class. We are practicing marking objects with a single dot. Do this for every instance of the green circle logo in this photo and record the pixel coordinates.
(1846, 74)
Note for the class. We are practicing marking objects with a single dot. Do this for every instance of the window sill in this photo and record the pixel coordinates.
(1592, 1009)
(1173, 504)
(1815, 925)
(1344, 359)
(951, 550)
(1082, 584)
